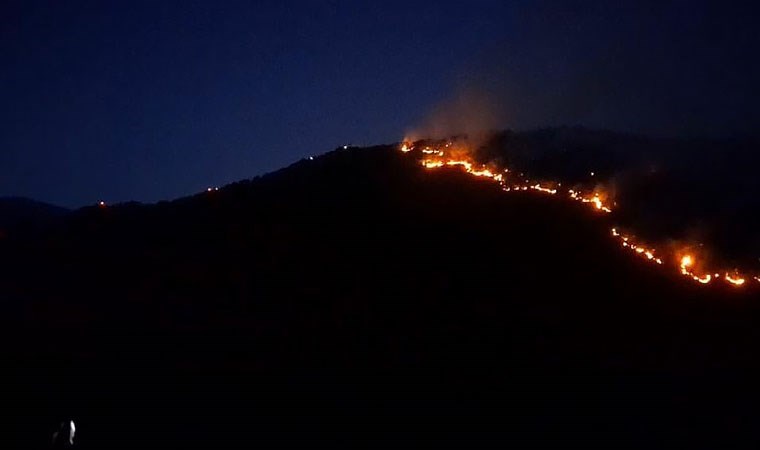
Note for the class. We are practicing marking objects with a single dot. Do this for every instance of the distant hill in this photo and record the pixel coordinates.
(18, 212)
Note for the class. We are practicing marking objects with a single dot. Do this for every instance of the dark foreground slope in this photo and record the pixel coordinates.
(357, 263)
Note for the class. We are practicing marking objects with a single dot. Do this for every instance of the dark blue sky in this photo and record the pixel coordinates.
(153, 100)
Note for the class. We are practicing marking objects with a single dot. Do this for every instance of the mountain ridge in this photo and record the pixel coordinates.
(359, 258)
(25, 215)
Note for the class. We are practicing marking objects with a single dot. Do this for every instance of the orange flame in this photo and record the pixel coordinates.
(545, 190)
(595, 200)
(429, 164)
(687, 262)
(639, 249)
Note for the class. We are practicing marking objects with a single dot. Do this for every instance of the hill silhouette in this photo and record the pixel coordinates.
(19, 213)
(357, 260)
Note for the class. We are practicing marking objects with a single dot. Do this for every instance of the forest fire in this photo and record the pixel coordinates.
(735, 279)
(595, 200)
(641, 250)
(687, 264)
(538, 187)
(450, 155)
(432, 164)
(468, 166)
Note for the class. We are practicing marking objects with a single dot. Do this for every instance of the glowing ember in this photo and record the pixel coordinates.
(545, 190)
(736, 280)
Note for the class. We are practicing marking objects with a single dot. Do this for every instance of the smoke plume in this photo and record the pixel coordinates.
(471, 112)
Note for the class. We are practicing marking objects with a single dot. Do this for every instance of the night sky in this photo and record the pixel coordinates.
(130, 100)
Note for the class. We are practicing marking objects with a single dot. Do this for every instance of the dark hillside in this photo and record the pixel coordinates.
(358, 262)
(359, 258)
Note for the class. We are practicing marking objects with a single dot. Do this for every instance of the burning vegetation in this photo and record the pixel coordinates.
(454, 152)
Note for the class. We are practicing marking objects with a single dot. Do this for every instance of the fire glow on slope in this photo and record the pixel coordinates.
(448, 156)
(639, 249)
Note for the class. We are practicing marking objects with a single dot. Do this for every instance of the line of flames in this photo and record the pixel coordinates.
(436, 158)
